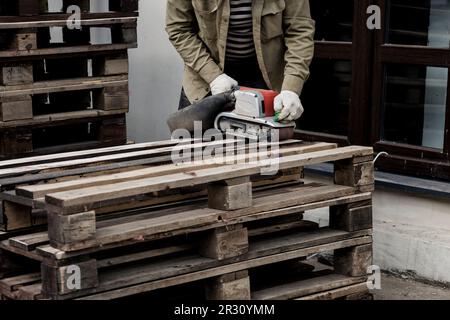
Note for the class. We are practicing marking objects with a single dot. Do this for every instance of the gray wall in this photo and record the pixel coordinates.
(155, 76)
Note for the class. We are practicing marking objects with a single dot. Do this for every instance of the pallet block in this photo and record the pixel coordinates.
(16, 108)
(230, 194)
(16, 74)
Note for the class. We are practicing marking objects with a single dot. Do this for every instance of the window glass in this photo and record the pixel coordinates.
(326, 97)
(414, 105)
(419, 22)
(334, 19)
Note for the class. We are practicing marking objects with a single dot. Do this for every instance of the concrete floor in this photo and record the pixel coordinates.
(397, 288)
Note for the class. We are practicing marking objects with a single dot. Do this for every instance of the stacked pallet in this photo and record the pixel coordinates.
(127, 221)
(62, 86)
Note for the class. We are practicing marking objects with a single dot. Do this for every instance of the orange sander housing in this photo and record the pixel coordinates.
(269, 99)
(253, 117)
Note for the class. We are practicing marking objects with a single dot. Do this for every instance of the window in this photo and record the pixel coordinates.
(388, 88)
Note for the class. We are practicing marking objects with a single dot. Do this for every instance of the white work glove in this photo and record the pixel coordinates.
(289, 105)
(222, 83)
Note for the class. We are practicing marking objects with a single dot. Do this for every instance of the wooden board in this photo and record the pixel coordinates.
(88, 198)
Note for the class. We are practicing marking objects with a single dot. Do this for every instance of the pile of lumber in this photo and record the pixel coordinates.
(64, 87)
(127, 221)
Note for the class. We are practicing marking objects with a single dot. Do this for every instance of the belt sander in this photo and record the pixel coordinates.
(244, 113)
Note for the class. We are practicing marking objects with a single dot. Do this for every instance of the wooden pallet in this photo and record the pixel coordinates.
(68, 133)
(139, 218)
(60, 89)
(30, 8)
(31, 36)
(122, 162)
(50, 90)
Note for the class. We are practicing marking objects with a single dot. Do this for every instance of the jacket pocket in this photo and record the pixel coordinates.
(272, 19)
(206, 13)
(204, 7)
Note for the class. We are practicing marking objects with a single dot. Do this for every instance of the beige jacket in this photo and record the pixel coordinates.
(282, 29)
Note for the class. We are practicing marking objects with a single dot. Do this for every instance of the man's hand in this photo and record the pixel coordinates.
(289, 105)
(222, 83)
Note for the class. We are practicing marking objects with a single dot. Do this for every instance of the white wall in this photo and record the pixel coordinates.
(155, 76)
(411, 233)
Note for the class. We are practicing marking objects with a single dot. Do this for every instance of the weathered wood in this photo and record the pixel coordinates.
(353, 262)
(81, 199)
(359, 174)
(39, 191)
(190, 276)
(75, 84)
(113, 242)
(25, 40)
(234, 286)
(338, 293)
(17, 216)
(13, 143)
(110, 65)
(230, 195)
(195, 219)
(306, 287)
(63, 280)
(16, 108)
(14, 283)
(16, 74)
(29, 242)
(351, 217)
(224, 243)
(68, 229)
(31, 292)
(68, 50)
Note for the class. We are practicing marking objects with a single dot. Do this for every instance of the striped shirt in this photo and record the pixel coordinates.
(240, 42)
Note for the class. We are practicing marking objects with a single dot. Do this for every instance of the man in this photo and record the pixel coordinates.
(265, 44)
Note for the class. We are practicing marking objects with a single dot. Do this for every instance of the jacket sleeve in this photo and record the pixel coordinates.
(180, 26)
(299, 31)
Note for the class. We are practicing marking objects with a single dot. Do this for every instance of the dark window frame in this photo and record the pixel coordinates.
(405, 158)
(368, 49)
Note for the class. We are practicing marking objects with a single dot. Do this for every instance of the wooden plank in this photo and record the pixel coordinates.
(84, 198)
(88, 153)
(192, 219)
(39, 191)
(55, 119)
(13, 283)
(147, 280)
(306, 287)
(125, 259)
(8, 54)
(54, 253)
(60, 20)
(76, 84)
(302, 225)
(29, 242)
(8, 172)
(338, 293)
(32, 292)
